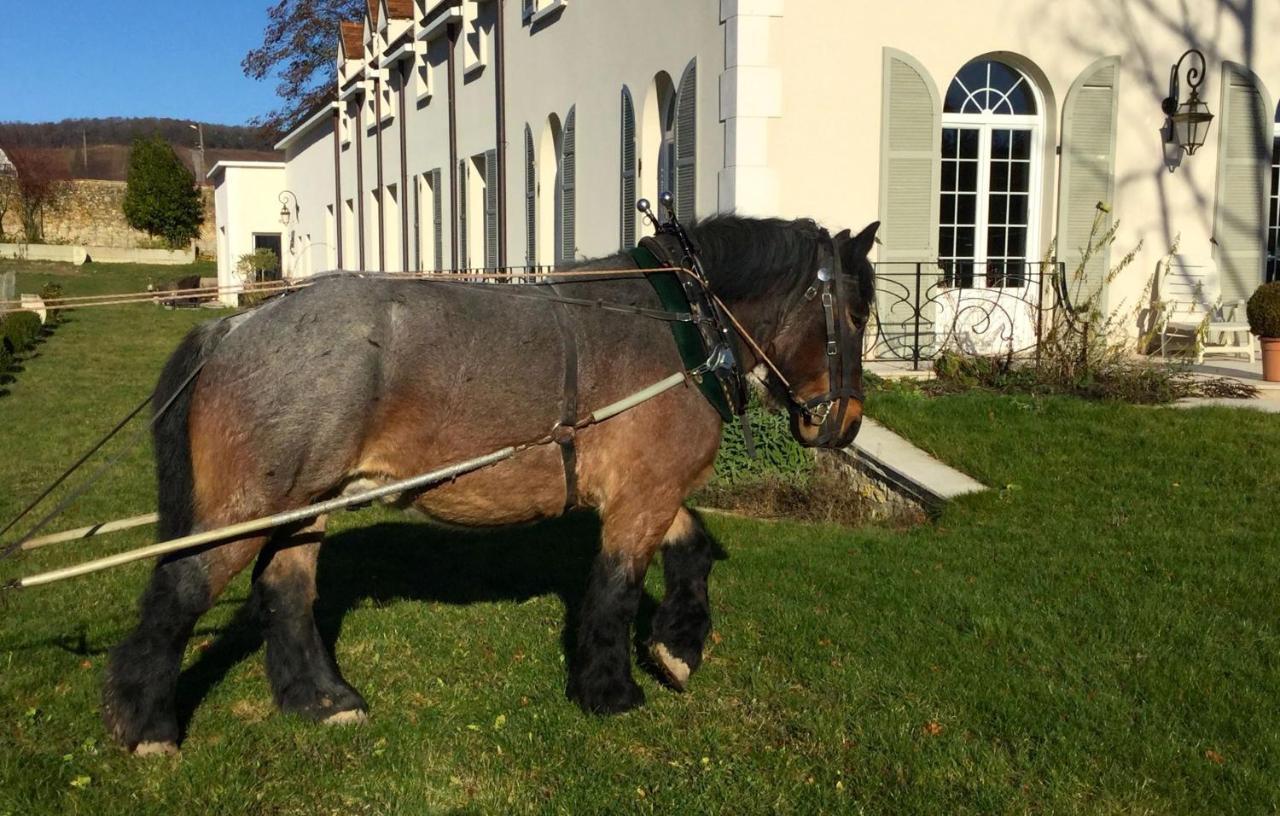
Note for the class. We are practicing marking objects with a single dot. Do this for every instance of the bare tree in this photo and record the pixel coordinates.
(8, 194)
(41, 183)
(299, 48)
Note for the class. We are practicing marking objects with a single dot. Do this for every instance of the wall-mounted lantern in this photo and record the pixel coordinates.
(1188, 121)
(285, 214)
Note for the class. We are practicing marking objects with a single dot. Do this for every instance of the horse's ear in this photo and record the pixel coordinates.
(864, 240)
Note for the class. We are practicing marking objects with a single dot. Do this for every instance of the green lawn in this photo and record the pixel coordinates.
(1098, 634)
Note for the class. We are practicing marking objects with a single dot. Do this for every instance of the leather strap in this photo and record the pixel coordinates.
(568, 400)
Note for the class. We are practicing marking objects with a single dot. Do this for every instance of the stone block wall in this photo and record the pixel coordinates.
(91, 214)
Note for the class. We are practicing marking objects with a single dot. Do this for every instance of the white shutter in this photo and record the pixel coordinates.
(530, 201)
(627, 204)
(567, 249)
(1244, 180)
(1087, 176)
(437, 212)
(491, 209)
(910, 184)
(687, 144)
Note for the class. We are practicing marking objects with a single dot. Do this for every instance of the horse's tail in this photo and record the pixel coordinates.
(170, 407)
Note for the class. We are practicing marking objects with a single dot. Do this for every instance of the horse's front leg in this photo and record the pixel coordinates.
(600, 676)
(683, 620)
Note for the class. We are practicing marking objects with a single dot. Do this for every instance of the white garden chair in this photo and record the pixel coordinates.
(1191, 304)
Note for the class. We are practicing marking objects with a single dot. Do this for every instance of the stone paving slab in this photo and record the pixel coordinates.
(1267, 403)
(903, 464)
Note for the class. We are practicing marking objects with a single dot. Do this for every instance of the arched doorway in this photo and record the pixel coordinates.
(992, 146)
(657, 125)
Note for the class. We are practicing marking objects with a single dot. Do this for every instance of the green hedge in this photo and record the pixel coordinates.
(20, 330)
(778, 455)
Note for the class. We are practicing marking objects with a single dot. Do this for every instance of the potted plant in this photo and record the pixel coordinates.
(1263, 311)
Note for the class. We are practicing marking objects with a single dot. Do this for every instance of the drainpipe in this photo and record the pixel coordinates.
(337, 180)
(382, 204)
(360, 134)
(453, 148)
(500, 81)
(404, 172)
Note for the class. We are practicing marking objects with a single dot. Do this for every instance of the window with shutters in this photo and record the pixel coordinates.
(1273, 223)
(349, 239)
(530, 201)
(566, 194)
(627, 157)
(490, 175)
(685, 148)
(991, 130)
(372, 231)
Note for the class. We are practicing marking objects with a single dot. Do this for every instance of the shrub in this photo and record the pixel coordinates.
(1263, 310)
(21, 330)
(255, 267)
(778, 455)
(6, 359)
(48, 292)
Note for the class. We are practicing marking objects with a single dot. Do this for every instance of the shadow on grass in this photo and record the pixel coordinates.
(418, 562)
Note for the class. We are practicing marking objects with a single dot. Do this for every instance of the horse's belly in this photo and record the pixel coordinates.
(527, 488)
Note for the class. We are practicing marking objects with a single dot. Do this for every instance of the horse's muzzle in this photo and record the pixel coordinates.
(810, 434)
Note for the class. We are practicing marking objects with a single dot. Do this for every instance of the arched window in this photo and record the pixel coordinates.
(991, 132)
(1273, 225)
(627, 157)
(566, 195)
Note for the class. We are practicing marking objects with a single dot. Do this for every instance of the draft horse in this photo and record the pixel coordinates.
(362, 380)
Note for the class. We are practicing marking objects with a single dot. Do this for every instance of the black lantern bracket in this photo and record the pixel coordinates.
(287, 212)
(1189, 120)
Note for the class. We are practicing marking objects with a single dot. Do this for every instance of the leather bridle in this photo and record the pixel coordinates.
(827, 410)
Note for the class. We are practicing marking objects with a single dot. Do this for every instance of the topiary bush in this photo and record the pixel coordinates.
(48, 292)
(20, 330)
(1263, 310)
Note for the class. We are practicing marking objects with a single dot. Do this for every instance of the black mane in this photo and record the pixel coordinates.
(751, 257)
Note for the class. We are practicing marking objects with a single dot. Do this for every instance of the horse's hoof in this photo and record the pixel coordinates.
(674, 670)
(353, 716)
(150, 749)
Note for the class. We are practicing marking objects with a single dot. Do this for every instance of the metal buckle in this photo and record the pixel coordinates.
(832, 350)
(820, 411)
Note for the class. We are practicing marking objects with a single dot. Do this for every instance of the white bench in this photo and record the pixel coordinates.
(1190, 297)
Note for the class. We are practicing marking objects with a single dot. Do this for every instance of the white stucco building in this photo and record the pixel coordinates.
(467, 133)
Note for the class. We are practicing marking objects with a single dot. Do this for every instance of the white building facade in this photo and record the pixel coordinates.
(985, 136)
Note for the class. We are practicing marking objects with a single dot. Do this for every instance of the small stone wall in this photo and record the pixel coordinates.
(890, 499)
(91, 214)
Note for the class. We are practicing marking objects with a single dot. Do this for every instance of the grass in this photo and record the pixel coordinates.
(1097, 634)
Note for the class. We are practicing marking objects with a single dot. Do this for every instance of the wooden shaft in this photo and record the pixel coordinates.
(92, 530)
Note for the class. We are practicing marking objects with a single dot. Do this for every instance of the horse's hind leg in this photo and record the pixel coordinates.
(138, 703)
(304, 677)
(683, 620)
(600, 678)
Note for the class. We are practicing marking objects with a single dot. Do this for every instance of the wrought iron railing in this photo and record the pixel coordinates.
(1000, 307)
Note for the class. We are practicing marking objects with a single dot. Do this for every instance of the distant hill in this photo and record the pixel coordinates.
(108, 141)
(122, 131)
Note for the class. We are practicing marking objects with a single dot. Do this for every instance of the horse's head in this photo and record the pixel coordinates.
(805, 297)
(818, 346)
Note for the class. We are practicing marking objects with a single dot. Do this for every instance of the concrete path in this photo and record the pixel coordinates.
(1267, 402)
(900, 463)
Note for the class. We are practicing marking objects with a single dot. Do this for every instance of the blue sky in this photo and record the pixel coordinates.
(178, 58)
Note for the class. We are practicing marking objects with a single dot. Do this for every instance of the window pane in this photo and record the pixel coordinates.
(969, 144)
(964, 242)
(1017, 209)
(968, 176)
(1022, 144)
(995, 242)
(1020, 178)
(999, 176)
(948, 176)
(999, 144)
(998, 209)
(967, 209)
(948, 214)
(1017, 242)
(946, 242)
(950, 143)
